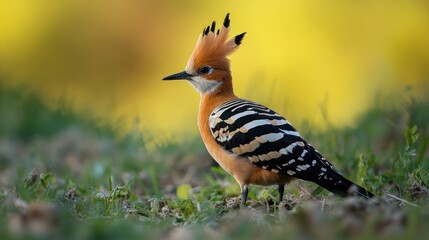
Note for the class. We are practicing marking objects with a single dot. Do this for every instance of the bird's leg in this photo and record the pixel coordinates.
(244, 192)
(281, 191)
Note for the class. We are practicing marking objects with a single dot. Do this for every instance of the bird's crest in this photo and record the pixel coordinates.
(213, 44)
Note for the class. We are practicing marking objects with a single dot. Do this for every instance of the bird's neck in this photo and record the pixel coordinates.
(223, 93)
(208, 102)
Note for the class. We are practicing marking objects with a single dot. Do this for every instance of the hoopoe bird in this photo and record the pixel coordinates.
(248, 140)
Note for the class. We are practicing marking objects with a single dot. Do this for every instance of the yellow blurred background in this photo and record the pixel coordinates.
(298, 57)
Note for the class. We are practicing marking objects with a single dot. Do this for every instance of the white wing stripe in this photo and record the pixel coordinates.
(234, 118)
(256, 123)
(293, 133)
(289, 149)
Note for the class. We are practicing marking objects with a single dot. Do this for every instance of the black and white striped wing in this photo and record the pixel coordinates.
(269, 141)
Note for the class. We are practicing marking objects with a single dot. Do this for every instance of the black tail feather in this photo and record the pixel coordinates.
(342, 186)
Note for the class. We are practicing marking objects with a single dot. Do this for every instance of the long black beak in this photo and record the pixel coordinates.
(177, 76)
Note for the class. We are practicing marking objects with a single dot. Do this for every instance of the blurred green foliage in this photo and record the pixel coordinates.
(26, 117)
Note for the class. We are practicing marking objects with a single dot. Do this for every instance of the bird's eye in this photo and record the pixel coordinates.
(206, 70)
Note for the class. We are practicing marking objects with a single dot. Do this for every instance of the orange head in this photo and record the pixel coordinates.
(208, 67)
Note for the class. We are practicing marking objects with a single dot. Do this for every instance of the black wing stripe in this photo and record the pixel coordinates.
(259, 142)
(275, 146)
(251, 106)
(245, 120)
(226, 106)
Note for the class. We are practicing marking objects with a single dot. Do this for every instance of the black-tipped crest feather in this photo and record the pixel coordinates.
(239, 38)
(226, 21)
(213, 26)
(207, 30)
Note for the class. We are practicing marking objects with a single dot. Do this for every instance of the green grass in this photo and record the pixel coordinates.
(94, 184)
